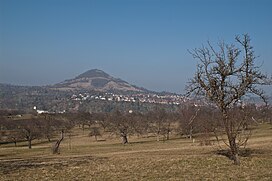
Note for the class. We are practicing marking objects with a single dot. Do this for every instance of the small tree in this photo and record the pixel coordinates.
(30, 129)
(120, 124)
(55, 146)
(102, 119)
(9, 131)
(50, 125)
(188, 117)
(225, 76)
(138, 123)
(14, 136)
(95, 132)
(159, 122)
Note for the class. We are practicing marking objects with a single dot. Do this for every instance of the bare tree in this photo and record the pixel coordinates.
(159, 122)
(53, 124)
(55, 147)
(266, 113)
(187, 122)
(225, 76)
(31, 129)
(50, 124)
(84, 119)
(206, 124)
(269, 114)
(169, 124)
(9, 131)
(120, 124)
(14, 136)
(95, 131)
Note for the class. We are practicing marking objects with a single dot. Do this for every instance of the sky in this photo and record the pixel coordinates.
(144, 42)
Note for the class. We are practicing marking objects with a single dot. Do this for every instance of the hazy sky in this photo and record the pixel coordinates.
(144, 42)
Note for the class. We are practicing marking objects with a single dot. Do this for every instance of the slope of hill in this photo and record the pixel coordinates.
(97, 80)
(59, 97)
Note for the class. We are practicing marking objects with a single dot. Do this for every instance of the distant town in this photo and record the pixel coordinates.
(168, 99)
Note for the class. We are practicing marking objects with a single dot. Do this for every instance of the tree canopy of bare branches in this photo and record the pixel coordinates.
(224, 76)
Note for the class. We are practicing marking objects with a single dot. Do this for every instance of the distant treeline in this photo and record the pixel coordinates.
(187, 121)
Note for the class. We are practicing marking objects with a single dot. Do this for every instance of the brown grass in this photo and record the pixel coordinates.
(142, 159)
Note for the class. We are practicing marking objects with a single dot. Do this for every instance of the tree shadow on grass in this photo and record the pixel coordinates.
(242, 153)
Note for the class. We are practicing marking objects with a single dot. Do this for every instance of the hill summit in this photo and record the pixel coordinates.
(97, 80)
(93, 73)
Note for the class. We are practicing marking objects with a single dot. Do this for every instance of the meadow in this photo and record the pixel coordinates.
(144, 158)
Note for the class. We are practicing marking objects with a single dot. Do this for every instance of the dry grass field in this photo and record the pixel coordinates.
(82, 158)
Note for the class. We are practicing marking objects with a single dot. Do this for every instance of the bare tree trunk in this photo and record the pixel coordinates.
(158, 136)
(15, 142)
(168, 135)
(231, 138)
(124, 138)
(70, 145)
(48, 138)
(168, 130)
(29, 143)
(191, 133)
(55, 147)
(83, 128)
(234, 151)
